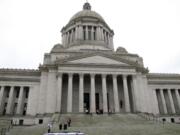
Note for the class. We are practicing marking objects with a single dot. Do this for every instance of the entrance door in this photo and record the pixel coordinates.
(97, 101)
(86, 101)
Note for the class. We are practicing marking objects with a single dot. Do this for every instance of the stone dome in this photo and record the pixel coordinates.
(87, 30)
(87, 13)
(121, 50)
(57, 47)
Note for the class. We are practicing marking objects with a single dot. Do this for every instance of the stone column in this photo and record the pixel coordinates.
(66, 38)
(102, 34)
(69, 102)
(163, 101)
(112, 46)
(80, 35)
(98, 33)
(155, 108)
(86, 32)
(20, 101)
(110, 42)
(126, 94)
(81, 93)
(134, 93)
(10, 100)
(92, 109)
(1, 97)
(104, 92)
(178, 98)
(62, 36)
(76, 33)
(59, 93)
(171, 101)
(116, 96)
(105, 37)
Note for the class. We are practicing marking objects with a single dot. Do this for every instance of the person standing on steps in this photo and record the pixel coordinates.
(69, 122)
(49, 127)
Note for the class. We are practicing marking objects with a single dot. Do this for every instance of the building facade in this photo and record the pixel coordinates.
(85, 74)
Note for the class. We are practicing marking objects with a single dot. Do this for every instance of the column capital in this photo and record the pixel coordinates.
(124, 76)
(81, 74)
(114, 75)
(103, 75)
(92, 75)
(70, 74)
(2, 86)
(59, 74)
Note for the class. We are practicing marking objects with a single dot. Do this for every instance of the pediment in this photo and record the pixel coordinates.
(97, 59)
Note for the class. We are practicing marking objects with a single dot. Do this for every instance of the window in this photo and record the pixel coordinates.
(94, 33)
(84, 32)
(40, 121)
(163, 119)
(73, 34)
(172, 120)
(21, 122)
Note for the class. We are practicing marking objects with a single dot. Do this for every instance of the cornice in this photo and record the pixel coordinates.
(96, 65)
(163, 79)
(82, 51)
(23, 79)
(47, 67)
(163, 76)
(156, 82)
(20, 72)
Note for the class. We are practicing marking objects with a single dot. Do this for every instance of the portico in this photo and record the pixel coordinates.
(106, 86)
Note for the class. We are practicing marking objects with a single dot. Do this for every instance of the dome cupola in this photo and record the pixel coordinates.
(87, 6)
(87, 30)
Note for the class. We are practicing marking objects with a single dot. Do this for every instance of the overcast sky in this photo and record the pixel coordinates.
(149, 28)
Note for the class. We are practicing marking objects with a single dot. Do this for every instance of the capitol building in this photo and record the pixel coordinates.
(84, 74)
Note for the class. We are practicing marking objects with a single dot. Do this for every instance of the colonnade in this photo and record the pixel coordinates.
(87, 32)
(92, 93)
(168, 100)
(13, 99)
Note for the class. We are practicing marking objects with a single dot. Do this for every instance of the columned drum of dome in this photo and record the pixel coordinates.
(88, 30)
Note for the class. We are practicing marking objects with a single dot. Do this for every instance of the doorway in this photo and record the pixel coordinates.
(86, 101)
(97, 102)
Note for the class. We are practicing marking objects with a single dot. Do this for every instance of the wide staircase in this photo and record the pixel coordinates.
(116, 124)
(5, 125)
